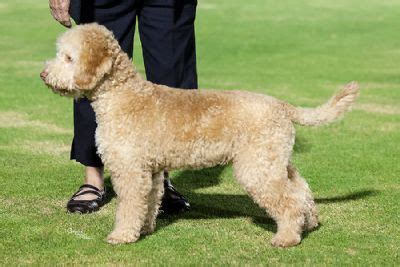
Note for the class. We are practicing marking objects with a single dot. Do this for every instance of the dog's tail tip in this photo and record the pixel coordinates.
(330, 111)
(343, 100)
(353, 86)
(352, 89)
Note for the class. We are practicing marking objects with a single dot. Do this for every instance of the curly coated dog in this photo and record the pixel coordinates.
(144, 128)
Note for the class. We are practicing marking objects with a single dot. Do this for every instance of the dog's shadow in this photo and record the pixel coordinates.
(211, 205)
(301, 145)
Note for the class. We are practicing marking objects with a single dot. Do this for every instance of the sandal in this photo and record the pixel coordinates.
(86, 206)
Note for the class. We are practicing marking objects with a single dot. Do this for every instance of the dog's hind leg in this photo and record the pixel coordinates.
(311, 213)
(154, 201)
(132, 186)
(264, 176)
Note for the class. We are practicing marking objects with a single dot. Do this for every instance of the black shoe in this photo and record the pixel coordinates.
(173, 201)
(86, 206)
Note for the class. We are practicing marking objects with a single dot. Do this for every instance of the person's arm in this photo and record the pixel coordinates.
(60, 11)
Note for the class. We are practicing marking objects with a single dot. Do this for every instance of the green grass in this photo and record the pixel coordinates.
(301, 51)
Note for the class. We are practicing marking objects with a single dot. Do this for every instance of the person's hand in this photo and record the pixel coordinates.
(59, 10)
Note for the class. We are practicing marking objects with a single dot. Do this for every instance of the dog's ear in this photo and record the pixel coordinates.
(96, 57)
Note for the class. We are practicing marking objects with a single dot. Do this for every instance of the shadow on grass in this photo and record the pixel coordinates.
(301, 145)
(110, 190)
(218, 206)
(208, 206)
(348, 197)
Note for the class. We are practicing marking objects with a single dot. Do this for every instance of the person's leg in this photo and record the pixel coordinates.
(83, 146)
(119, 17)
(168, 42)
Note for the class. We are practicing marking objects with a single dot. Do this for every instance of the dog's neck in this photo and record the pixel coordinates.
(123, 76)
(122, 80)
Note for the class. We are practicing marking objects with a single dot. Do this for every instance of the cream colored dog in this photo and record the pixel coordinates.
(144, 128)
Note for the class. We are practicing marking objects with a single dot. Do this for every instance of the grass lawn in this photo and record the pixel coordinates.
(301, 51)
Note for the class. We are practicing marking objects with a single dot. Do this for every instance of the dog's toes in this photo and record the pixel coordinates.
(147, 230)
(285, 241)
(312, 224)
(117, 237)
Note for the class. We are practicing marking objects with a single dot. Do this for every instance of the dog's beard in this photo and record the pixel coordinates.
(74, 93)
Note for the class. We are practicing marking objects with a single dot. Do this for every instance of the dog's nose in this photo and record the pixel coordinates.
(43, 75)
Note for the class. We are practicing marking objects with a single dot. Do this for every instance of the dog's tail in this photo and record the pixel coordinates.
(328, 112)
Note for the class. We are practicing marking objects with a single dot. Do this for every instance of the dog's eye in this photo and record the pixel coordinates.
(68, 58)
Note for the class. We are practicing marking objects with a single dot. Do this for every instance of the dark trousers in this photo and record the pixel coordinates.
(166, 29)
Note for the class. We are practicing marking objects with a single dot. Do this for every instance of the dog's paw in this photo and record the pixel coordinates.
(147, 229)
(311, 224)
(122, 237)
(285, 240)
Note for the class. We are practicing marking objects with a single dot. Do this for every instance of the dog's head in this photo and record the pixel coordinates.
(85, 54)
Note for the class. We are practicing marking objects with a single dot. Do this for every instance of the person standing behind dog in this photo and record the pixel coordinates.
(166, 29)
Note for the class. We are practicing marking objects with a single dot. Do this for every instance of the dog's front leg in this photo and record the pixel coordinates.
(154, 200)
(132, 188)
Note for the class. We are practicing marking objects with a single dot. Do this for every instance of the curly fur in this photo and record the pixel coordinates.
(144, 128)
